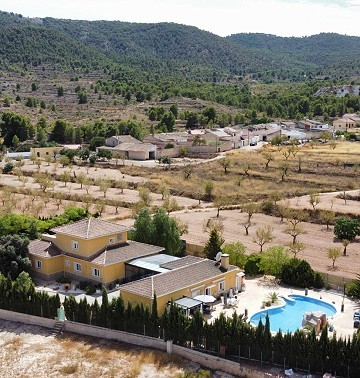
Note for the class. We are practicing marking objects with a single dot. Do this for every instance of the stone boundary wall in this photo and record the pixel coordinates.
(27, 319)
(217, 363)
(111, 334)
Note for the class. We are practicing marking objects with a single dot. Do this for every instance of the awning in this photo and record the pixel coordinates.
(188, 303)
(205, 298)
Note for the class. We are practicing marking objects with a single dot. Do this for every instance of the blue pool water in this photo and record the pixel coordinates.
(289, 317)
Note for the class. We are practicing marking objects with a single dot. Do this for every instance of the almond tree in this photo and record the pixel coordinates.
(263, 235)
(296, 247)
(295, 227)
(104, 185)
(44, 180)
(81, 178)
(269, 157)
(250, 208)
(328, 217)
(333, 253)
(219, 203)
(314, 200)
(65, 177)
(225, 163)
(144, 194)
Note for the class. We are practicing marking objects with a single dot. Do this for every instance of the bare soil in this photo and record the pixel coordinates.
(316, 238)
(31, 351)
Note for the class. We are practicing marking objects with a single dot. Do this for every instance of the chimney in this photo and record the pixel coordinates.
(225, 261)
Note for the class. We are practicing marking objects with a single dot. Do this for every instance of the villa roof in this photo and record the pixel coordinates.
(42, 248)
(126, 139)
(90, 228)
(125, 252)
(111, 255)
(179, 263)
(135, 147)
(176, 279)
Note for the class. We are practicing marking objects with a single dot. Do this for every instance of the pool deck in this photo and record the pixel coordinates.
(257, 291)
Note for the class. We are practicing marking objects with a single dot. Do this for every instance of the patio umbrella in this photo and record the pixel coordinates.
(205, 298)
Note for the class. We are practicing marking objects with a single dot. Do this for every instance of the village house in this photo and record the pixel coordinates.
(126, 146)
(312, 126)
(346, 122)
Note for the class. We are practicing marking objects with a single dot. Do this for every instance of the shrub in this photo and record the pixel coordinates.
(63, 280)
(318, 281)
(268, 207)
(8, 167)
(84, 284)
(90, 289)
(251, 266)
(297, 273)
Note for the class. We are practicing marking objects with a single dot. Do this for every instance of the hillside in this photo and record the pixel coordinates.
(326, 51)
(124, 68)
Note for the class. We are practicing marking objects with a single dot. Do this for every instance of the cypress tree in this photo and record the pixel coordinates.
(213, 245)
(104, 309)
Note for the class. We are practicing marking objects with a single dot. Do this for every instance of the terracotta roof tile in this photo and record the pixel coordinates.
(185, 261)
(125, 252)
(42, 248)
(90, 228)
(177, 279)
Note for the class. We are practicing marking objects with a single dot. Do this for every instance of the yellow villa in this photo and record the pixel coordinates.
(88, 250)
(187, 278)
(99, 251)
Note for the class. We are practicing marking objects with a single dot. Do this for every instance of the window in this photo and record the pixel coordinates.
(119, 237)
(77, 267)
(67, 263)
(96, 272)
(75, 245)
(221, 286)
(111, 240)
(208, 291)
(38, 264)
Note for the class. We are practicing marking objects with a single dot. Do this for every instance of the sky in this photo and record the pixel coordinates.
(222, 17)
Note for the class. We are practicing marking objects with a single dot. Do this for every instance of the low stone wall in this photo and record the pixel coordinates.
(205, 360)
(217, 363)
(27, 319)
(335, 281)
(194, 248)
(111, 334)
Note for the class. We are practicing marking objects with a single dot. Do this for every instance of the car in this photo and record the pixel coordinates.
(253, 144)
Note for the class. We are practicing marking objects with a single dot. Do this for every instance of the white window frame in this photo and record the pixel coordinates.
(38, 264)
(67, 263)
(75, 245)
(94, 271)
(208, 291)
(111, 240)
(77, 266)
(119, 237)
(222, 286)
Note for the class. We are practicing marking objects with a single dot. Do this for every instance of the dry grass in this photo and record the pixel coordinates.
(69, 369)
(322, 169)
(30, 354)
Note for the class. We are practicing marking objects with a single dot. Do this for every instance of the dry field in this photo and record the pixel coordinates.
(30, 351)
(316, 238)
(323, 170)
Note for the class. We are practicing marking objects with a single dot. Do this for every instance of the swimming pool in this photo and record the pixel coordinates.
(289, 317)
